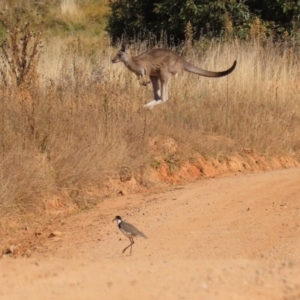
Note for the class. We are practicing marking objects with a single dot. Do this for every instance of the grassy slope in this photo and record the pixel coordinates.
(87, 123)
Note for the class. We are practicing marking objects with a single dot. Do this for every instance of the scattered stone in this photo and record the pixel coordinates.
(11, 250)
(6, 252)
(54, 234)
(122, 193)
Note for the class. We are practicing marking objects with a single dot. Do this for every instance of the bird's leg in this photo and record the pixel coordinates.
(131, 243)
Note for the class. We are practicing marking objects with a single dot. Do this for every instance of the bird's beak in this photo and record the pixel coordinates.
(114, 219)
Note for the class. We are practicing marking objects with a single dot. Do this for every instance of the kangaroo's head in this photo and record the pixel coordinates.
(122, 55)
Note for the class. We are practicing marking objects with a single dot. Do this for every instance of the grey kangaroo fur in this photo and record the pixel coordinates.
(160, 65)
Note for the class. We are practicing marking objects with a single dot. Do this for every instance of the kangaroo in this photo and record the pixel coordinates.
(160, 65)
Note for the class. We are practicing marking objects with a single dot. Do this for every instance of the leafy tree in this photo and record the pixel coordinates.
(131, 17)
(213, 17)
(206, 17)
(278, 15)
(144, 17)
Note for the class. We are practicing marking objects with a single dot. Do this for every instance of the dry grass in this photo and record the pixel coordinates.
(87, 123)
(60, 17)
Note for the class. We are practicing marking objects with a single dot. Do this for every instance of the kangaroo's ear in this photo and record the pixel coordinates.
(125, 47)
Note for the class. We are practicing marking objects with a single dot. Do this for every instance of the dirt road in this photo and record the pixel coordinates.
(235, 237)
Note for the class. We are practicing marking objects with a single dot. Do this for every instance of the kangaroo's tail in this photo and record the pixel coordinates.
(193, 69)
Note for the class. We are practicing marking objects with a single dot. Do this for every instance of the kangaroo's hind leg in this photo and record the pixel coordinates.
(156, 93)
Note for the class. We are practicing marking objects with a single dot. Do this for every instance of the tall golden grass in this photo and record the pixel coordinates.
(80, 118)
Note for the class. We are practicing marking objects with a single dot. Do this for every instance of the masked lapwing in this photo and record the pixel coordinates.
(129, 231)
